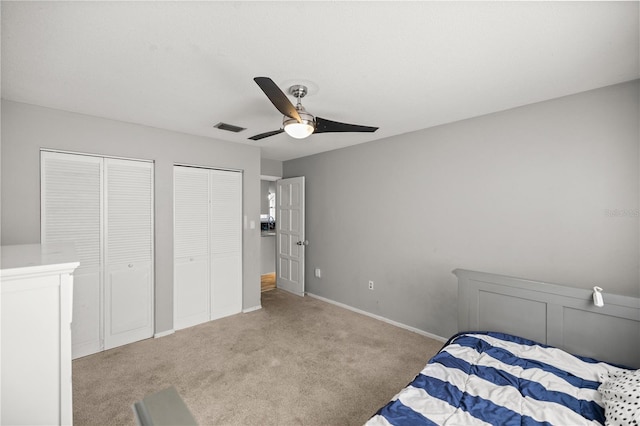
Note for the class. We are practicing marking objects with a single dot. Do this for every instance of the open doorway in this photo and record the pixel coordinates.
(268, 234)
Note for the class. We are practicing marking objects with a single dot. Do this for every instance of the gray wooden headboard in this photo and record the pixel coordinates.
(556, 315)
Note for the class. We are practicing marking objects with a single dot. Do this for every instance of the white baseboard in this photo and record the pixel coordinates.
(163, 333)
(251, 309)
(380, 318)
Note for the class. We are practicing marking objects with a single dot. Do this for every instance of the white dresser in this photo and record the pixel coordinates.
(37, 298)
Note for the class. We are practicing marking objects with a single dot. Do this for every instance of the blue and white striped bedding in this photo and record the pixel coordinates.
(499, 379)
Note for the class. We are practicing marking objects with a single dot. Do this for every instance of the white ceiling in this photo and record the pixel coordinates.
(402, 66)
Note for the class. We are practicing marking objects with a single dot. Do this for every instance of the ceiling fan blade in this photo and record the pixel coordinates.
(328, 126)
(266, 134)
(278, 98)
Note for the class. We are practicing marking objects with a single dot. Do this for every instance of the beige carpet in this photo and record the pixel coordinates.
(297, 361)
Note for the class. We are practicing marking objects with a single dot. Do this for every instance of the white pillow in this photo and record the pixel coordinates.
(620, 392)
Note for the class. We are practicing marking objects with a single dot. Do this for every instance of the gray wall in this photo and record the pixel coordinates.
(27, 128)
(548, 191)
(271, 168)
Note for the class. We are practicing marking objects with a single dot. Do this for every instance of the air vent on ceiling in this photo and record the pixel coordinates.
(229, 127)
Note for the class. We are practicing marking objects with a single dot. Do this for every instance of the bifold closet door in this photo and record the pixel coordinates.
(71, 211)
(105, 207)
(226, 243)
(191, 246)
(129, 251)
(207, 245)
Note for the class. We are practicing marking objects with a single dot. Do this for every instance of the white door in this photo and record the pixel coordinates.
(290, 237)
(71, 211)
(191, 246)
(129, 251)
(226, 243)
(207, 245)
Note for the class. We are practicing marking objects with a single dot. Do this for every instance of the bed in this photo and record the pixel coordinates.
(524, 371)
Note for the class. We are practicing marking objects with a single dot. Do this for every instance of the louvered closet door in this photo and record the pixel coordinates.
(226, 243)
(207, 245)
(129, 251)
(191, 246)
(71, 210)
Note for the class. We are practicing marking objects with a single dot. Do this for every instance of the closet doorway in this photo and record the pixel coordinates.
(207, 244)
(105, 207)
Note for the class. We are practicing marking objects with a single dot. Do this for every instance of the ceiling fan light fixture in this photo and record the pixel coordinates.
(298, 130)
(302, 129)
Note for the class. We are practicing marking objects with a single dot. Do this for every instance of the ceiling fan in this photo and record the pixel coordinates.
(297, 122)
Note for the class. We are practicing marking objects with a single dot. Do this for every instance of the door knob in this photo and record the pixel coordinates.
(303, 243)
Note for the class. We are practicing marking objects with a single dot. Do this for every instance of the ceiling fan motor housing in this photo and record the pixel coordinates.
(298, 91)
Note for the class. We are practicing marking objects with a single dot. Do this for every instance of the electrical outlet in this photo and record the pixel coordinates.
(318, 273)
(370, 285)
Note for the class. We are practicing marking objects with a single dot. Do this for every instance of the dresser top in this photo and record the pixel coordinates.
(33, 258)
